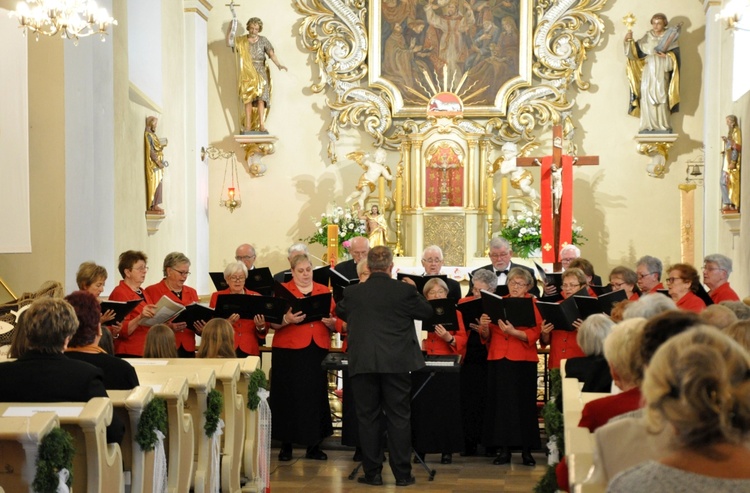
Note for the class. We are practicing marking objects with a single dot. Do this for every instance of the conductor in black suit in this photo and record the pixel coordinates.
(43, 373)
(500, 255)
(358, 249)
(383, 349)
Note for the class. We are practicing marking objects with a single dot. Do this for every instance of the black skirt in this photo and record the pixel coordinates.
(299, 395)
(511, 418)
(436, 413)
(474, 390)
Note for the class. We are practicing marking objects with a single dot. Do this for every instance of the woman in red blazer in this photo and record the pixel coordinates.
(248, 333)
(562, 343)
(299, 390)
(683, 282)
(511, 416)
(438, 431)
(176, 271)
(131, 338)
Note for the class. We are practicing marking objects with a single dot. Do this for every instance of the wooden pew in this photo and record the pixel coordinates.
(239, 447)
(19, 444)
(201, 380)
(180, 436)
(97, 465)
(138, 465)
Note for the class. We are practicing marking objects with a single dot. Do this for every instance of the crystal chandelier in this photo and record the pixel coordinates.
(72, 19)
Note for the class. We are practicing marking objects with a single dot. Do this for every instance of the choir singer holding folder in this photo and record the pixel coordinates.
(511, 418)
(299, 394)
(248, 333)
(563, 343)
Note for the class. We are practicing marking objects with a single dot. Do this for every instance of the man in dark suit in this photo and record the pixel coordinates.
(432, 261)
(43, 373)
(500, 255)
(245, 253)
(360, 245)
(383, 349)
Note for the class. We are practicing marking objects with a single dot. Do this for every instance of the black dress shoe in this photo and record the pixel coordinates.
(285, 454)
(315, 453)
(406, 481)
(417, 457)
(503, 458)
(375, 480)
(446, 459)
(528, 460)
(357, 457)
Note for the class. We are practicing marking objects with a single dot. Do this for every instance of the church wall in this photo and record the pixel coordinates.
(25, 272)
(624, 212)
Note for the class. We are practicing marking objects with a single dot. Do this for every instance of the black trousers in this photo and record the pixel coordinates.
(375, 393)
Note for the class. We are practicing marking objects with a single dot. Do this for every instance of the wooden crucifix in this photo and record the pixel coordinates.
(556, 190)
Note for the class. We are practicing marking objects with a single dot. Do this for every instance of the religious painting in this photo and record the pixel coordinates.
(479, 50)
(444, 174)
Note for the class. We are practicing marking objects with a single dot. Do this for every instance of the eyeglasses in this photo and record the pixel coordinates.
(518, 284)
(236, 278)
(711, 268)
(141, 269)
(566, 260)
(617, 285)
(641, 276)
(500, 255)
(671, 280)
(241, 258)
(183, 273)
(432, 260)
(571, 285)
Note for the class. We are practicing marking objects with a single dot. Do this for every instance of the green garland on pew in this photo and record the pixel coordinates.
(257, 381)
(553, 424)
(214, 406)
(55, 453)
(154, 417)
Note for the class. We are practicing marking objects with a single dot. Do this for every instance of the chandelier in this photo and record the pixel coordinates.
(72, 19)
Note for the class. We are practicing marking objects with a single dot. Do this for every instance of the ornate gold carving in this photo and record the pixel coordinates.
(560, 34)
(448, 232)
(657, 148)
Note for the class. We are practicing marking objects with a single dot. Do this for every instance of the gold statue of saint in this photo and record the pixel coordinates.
(377, 227)
(155, 165)
(731, 167)
(253, 75)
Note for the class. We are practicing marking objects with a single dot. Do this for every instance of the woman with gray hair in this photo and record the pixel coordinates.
(176, 271)
(248, 332)
(592, 369)
(474, 368)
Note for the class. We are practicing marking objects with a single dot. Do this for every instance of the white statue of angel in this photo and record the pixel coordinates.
(374, 167)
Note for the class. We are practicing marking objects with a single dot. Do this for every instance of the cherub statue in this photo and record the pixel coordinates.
(374, 169)
(520, 179)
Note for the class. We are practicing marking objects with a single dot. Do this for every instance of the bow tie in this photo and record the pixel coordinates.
(498, 272)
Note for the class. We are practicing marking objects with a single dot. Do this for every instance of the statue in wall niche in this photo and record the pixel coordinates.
(253, 74)
(731, 167)
(155, 164)
(653, 69)
(374, 167)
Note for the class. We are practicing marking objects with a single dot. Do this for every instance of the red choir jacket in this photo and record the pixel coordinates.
(723, 293)
(435, 345)
(502, 345)
(598, 412)
(246, 336)
(563, 345)
(186, 338)
(293, 336)
(657, 287)
(130, 344)
(691, 302)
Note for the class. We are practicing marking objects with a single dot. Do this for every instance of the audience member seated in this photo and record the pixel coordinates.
(719, 316)
(716, 270)
(19, 344)
(592, 369)
(217, 340)
(43, 373)
(621, 351)
(649, 305)
(740, 332)
(623, 278)
(696, 384)
(107, 342)
(84, 345)
(739, 308)
(683, 282)
(618, 311)
(648, 269)
(160, 343)
(627, 440)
